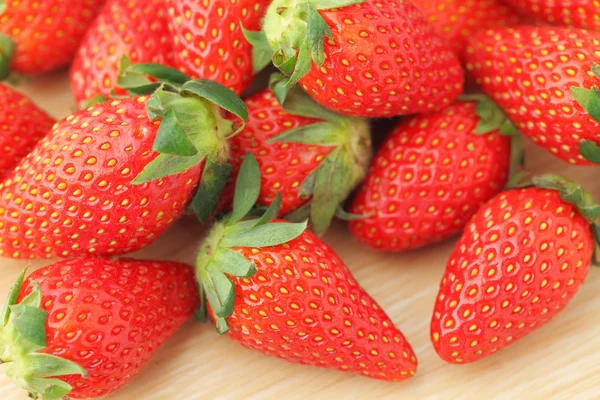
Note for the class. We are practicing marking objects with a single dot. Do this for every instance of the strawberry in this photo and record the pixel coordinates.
(521, 260)
(543, 79)
(46, 33)
(277, 288)
(22, 125)
(457, 20)
(431, 175)
(85, 327)
(111, 178)
(363, 58)
(209, 40)
(576, 13)
(313, 157)
(137, 29)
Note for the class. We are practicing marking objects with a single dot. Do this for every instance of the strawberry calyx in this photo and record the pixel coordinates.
(7, 52)
(589, 100)
(295, 32)
(22, 335)
(217, 263)
(329, 185)
(570, 192)
(493, 118)
(192, 130)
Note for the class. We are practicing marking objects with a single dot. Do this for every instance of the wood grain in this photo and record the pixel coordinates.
(560, 361)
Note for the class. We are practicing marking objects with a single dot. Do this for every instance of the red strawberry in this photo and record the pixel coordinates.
(577, 13)
(137, 29)
(457, 20)
(277, 288)
(85, 327)
(111, 178)
(46, 33)
(209, 41)
(372, 59)
(522, 258)
(314, 158)
(22, 125)
(542, 78)
(431, 175)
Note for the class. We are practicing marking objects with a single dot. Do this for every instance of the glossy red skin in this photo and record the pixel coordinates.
(209, 42)
(509, 261)
(22, 125)
(583, 14)
(428, 179)
(309, 309)
(501, 62)
(457, 20)
(111, 316)
(377, 76)
(283, 166)
(73, 194)
(135, 28)
(47, 33)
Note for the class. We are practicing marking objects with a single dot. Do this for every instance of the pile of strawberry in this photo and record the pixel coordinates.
(162, 133)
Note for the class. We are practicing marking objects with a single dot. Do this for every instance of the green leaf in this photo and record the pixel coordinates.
(272, 212)
(214, 178)
(492, 117)
(329, 4)
(11, 299)
(219, 290)
(261, 49)
(319, 133)
(161, 72)
(166, 165)
(590, 151)
(299, 215)
(233, 263)
(219, 95)
(201, 313)
(297, 102)
(596, 255)
(30, 323)
(49, 389)
(342, 214)
(7, 51)
(277, 85)
(222, 326)
(332, 178)
(128, 79)
(41, 365)
(33, 299)
(171, 139)
(596, 69)
(303, 64)
(317, 31)
(247, 188)
(271, 234)
(97, 99)
(307, 187)
(571, 192)
(589, 100)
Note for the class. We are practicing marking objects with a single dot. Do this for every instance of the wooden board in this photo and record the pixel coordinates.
(560, 361)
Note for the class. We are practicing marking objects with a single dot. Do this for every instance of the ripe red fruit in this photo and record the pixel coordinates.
(577, 13)
(137, 29)
(522, 258)
(111, 178)
(312, 157)
(83, 328)
(46, 33)
(371, 59)
(209, 41)
(22, 125)
(431, 175)
(543, 79)
(277, 288)
(457, 20)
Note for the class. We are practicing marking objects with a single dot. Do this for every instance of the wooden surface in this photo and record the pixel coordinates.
(560, 361)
